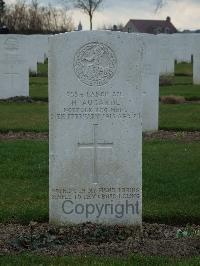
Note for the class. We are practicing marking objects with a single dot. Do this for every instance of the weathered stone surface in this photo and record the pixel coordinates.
(166, 54)
(182, 46)
(150, 83)
(14, 76)
(196, 59)
(37, 50)
(95, 128)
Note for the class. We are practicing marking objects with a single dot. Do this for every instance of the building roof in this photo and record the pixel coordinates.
(148, 26)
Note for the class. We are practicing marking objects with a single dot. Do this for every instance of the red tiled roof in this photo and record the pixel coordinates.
(147, 26)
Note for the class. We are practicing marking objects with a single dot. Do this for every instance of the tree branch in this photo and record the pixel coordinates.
(96, 5)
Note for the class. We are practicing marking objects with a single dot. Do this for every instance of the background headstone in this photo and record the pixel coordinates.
(166, 54)
(150, 84)
(182, 46)
(41, 43)
(196, 59)
(37, 50)
(31, 54)
(14, 74)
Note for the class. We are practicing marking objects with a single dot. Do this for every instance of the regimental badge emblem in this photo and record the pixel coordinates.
(95, 64)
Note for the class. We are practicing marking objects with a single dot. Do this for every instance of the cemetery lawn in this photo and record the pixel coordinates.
(27, 259)
(24, 181)
(182, 80)
(171, 181)
(43, 69)
(39, 88)
(24, 117)
(179, 117)
(189, 92)
(184, 69)
(39, 84)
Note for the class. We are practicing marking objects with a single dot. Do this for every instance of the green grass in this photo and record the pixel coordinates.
(182, 80)
(23, 117)
(179, 117)
(39, 88)
(24, 181)
(43, 69)
(39, 84)
(190, 92)
(171, 181)
(184, 69)
(32, 260)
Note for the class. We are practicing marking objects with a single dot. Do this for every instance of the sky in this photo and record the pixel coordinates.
(185, 14)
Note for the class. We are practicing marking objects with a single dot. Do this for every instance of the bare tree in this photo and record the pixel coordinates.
(32, 18)
(2, 10)
(88, 7)
(161, 3)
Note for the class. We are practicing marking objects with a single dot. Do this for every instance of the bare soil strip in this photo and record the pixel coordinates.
(102, 240)
(173, 135)
(160, 135)
(24, 136)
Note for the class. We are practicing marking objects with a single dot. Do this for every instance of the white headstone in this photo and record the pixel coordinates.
(150, 84)
(30, 54)
(182, 47)
(41, 42)
(37, 50)
(196, 59)
(95, 128)
(166, 54)
(14, 75)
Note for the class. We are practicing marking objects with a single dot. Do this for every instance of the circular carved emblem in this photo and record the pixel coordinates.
(95, 64)
(11, 43)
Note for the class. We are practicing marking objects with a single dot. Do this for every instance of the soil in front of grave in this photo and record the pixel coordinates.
(101, 240)
(159, 135)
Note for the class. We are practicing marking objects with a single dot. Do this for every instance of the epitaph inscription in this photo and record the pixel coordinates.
(95, 64)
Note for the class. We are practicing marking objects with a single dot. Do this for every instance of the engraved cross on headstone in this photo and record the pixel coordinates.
(95, 145)
(11, 71)
(11, 75)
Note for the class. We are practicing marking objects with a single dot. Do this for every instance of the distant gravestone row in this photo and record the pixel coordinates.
(180, 48)
(20, 54)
